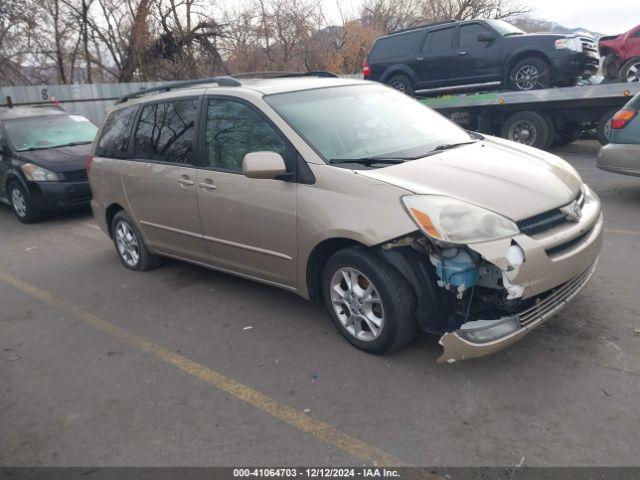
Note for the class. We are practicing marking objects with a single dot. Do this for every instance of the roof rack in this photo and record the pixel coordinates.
(224, 81)
(418, 27)
(276, 74)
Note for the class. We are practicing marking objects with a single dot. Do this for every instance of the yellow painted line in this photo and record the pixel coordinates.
(622, 232)
(322, 431)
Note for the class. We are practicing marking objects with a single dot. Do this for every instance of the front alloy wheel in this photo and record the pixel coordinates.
(19, 203)
(357, 304)
(527, 77)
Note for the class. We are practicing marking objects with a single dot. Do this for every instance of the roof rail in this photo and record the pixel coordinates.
(418, 27)
(224, 81)
(276, 74)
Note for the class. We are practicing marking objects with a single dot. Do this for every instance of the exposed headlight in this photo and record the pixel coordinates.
(38, 174)
(569, 44)
(451, 220)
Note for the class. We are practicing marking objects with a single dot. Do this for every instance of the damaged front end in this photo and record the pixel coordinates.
(486, 295)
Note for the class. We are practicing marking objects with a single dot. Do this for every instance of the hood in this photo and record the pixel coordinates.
(59, 159)
(508, 178)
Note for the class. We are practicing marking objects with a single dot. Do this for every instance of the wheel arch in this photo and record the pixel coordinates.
(109, 213)
(516, 57)
(317, 259)
(13, 176)
(399, 69)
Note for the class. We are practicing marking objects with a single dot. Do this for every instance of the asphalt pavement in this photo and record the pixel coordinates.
(185, 366)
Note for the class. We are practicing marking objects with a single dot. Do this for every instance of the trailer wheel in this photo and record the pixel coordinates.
(611, 66)
(528, 128)
(603, 130)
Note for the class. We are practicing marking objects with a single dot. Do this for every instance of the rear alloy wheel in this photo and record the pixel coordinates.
(630, 71)
(21, 204)
(529, 128)
(402, 83)
(369, 301)
(130, 245)
(529, 74)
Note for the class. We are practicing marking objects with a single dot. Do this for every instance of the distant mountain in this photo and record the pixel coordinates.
(533, 25)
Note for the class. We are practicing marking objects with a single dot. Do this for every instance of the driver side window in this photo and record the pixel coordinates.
(233, 130)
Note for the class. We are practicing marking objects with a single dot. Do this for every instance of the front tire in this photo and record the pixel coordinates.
(402, 83)
(370, 302)
(21, 204)
(130, 246)
(529, 74)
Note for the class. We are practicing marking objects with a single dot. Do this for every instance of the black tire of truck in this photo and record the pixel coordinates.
(530, 73)
(402, 83)
(611, 67)
(603, 130)
(529, 128)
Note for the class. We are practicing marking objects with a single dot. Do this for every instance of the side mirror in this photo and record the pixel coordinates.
(265, 165)
(485, 37)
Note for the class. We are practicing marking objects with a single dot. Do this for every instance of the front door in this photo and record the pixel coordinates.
(477, 61)
(249, 224)
(160, 181)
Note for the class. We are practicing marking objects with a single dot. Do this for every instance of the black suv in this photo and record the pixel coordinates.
(478, 54)
(43, 160)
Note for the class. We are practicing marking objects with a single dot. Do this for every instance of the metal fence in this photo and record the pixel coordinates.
(90, 101)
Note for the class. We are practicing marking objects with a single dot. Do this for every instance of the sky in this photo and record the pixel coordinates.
(604, 16)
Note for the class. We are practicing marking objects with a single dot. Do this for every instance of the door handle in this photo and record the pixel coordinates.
(420, 59)
(185, 181)
(207, 185)
(462, 52)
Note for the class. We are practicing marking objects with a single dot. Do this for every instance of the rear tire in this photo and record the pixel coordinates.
(377, 314)
(21, 203)
(611, 67)
(402, 83)
(130, 246)
(529, 128)
(630, 71)
(603, 130)
(530, 73)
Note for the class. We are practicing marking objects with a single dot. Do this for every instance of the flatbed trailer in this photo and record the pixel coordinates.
(539, 118)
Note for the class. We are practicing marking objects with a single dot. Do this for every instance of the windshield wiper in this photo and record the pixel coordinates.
(369, 160)
(448, 146)
(70, 144)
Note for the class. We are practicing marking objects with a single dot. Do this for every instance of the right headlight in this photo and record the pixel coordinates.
(450, 220)
(569, 44)
(35, 173)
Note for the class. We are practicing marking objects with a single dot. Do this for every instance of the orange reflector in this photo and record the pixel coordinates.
(627, 93)
(501, 101)
(426, 223)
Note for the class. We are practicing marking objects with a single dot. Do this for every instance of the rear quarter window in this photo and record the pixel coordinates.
(395, 46)
(114, 139)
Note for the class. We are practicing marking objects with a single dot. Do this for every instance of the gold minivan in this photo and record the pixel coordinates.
(351, 193)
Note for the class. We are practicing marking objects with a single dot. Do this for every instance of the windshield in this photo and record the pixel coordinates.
(50, 131)
(505, 28)
(364, 121)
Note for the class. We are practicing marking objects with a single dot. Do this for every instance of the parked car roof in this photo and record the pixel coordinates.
(25, 112)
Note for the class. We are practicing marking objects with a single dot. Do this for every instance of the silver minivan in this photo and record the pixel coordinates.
(350, 193)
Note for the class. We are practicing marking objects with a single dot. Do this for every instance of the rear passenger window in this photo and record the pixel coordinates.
(114, 140)
(235, 129)
(441, 40)
(165, 131)
(402, 45)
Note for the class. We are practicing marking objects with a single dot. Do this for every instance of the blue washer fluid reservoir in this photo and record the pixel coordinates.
(455, 267)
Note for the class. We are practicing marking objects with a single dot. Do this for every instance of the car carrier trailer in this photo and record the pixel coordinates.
(538, 118)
